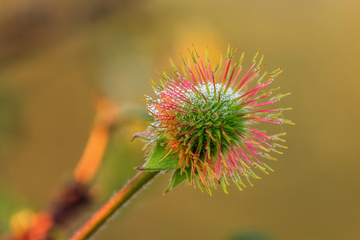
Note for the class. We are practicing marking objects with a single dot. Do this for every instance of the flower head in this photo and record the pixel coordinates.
(205, 118)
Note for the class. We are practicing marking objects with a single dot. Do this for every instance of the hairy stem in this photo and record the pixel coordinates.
(118, 200)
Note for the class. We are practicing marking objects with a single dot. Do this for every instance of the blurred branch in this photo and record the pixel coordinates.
(95, 148)
(75, 195)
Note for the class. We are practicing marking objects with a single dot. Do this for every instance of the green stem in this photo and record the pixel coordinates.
(121, 197)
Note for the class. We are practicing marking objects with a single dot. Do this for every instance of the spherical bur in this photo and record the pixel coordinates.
(208, 121)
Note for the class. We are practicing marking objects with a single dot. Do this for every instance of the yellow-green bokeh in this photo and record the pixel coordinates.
(313, 193)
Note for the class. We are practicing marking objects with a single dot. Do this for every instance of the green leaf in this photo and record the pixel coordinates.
(178, 177)
(160, 159)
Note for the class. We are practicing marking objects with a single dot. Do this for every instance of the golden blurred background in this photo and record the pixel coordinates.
(56, 55)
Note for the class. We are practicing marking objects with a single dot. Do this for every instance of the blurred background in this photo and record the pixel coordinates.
(55, 56)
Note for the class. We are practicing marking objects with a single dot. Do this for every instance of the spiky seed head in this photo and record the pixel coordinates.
(209, 120)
